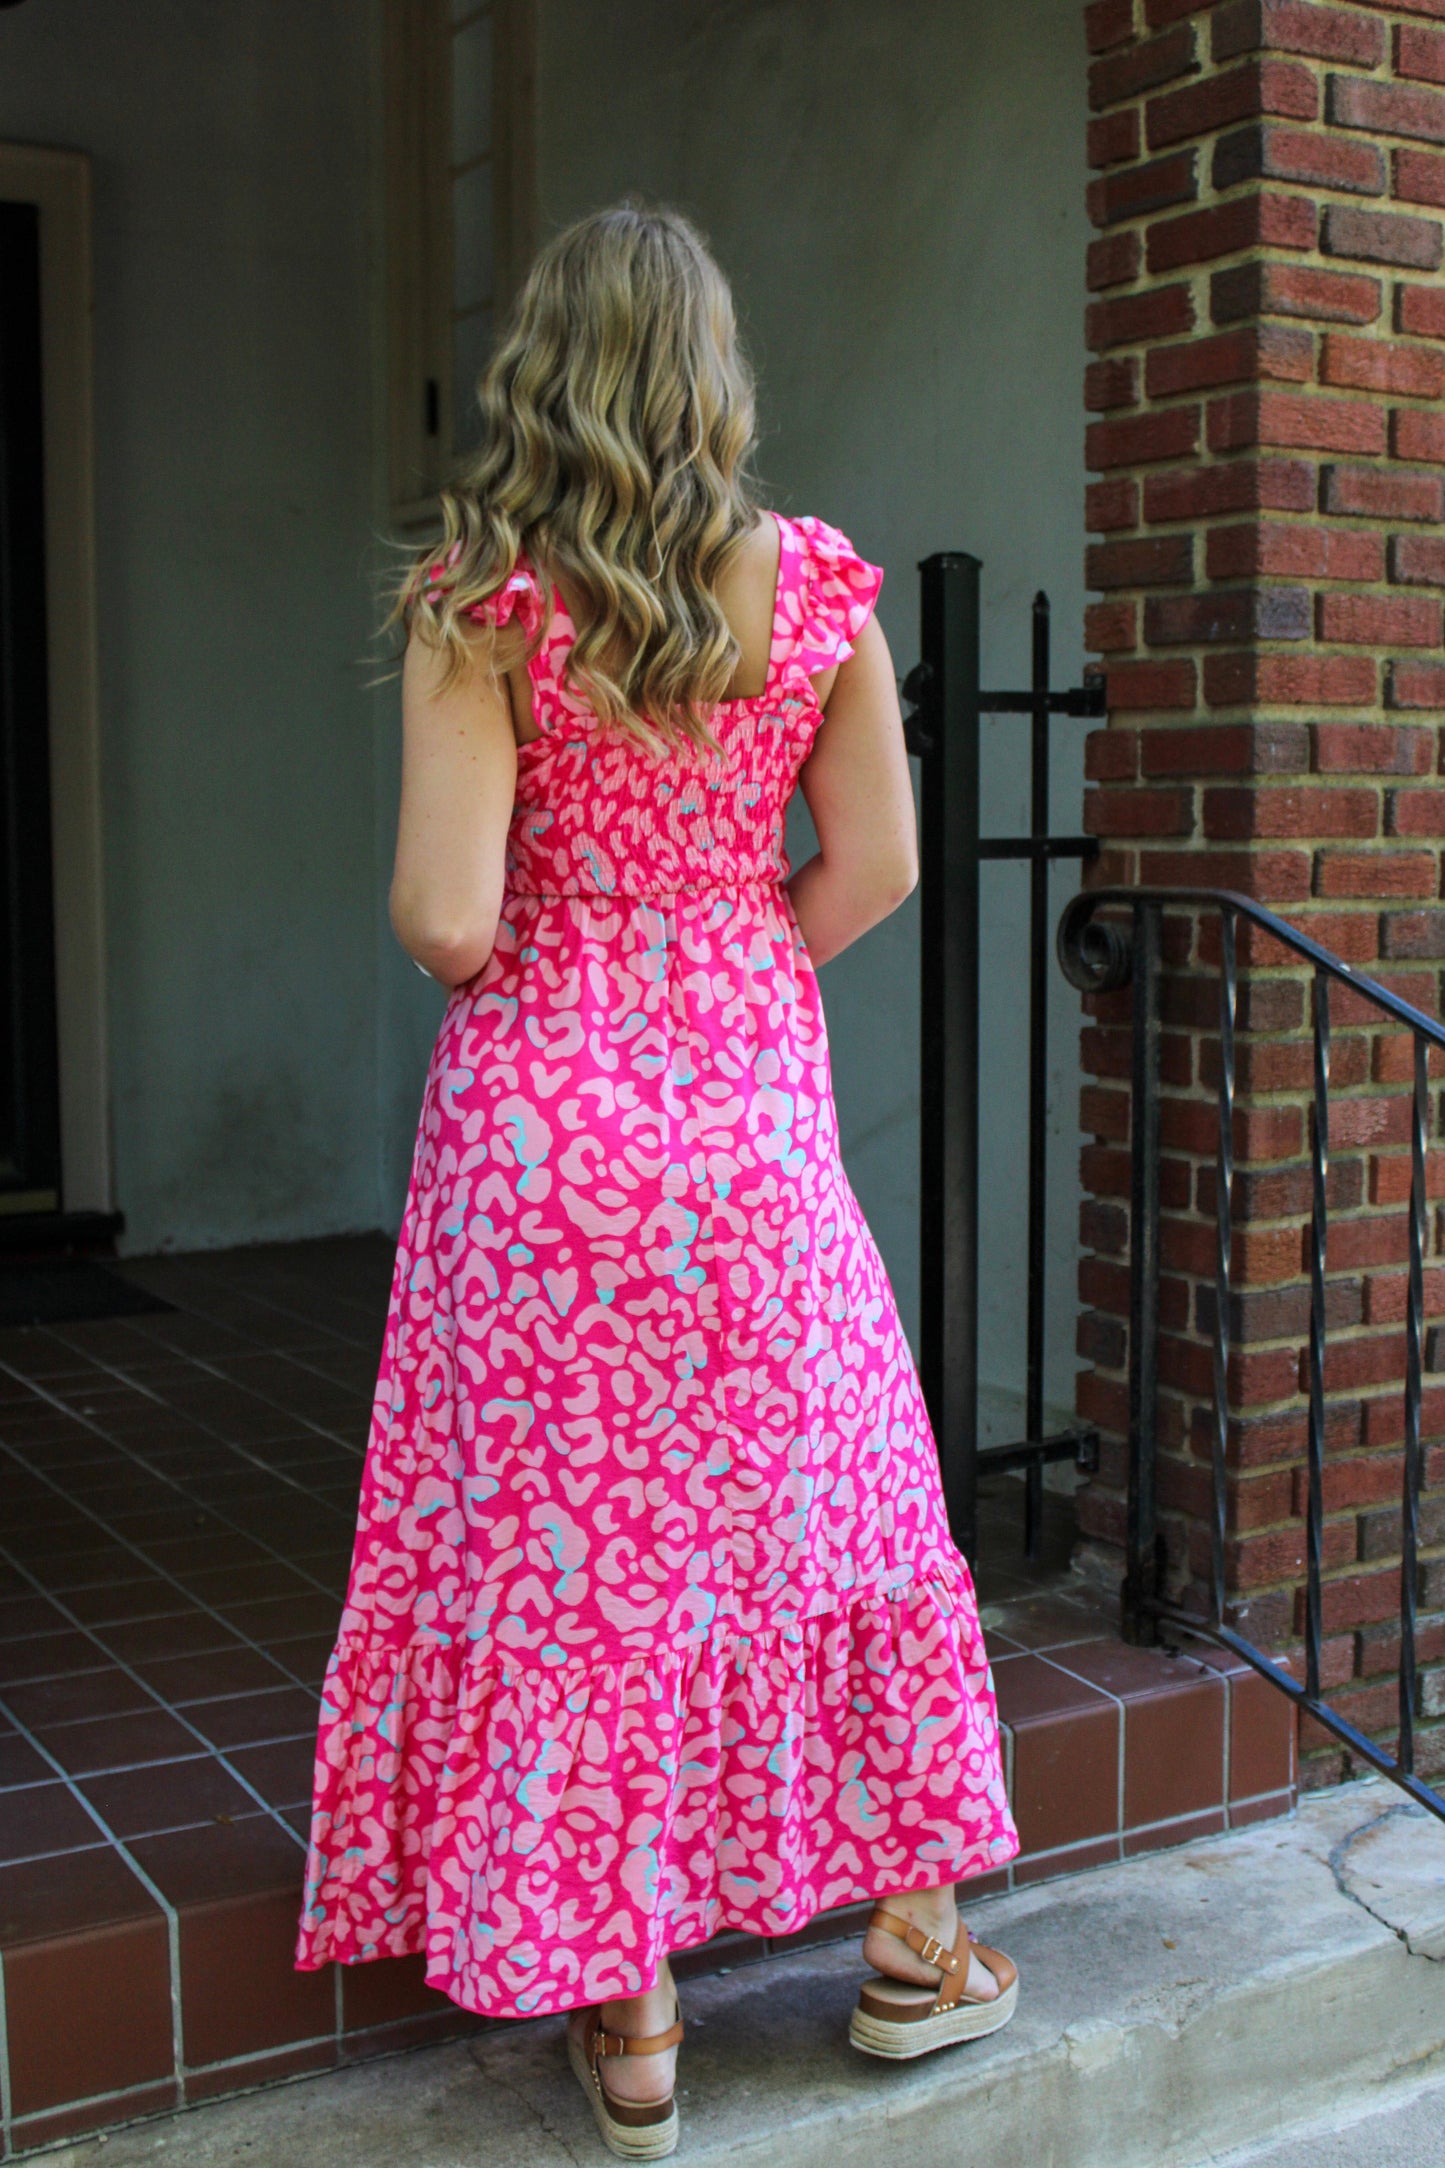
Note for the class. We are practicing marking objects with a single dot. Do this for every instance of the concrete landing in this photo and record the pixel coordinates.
(1173, 2008)
(1389, 2132)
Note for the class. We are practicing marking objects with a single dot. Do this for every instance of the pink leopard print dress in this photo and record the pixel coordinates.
(655, 1626)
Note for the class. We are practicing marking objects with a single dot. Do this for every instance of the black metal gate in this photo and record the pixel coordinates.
(943, 729)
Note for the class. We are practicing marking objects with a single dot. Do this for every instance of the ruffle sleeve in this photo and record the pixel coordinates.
(519, 597)
(838, 594)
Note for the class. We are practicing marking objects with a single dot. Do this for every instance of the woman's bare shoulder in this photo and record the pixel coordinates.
(747, 591)
(754, 562)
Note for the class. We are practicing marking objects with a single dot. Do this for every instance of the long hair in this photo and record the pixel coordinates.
(618, 422)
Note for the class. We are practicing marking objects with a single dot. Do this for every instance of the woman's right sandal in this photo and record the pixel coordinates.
(898, 2019)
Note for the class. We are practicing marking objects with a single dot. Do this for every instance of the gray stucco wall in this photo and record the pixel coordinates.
(898, 197)
(232, 148)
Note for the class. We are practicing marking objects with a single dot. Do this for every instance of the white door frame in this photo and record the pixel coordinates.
(59, 183)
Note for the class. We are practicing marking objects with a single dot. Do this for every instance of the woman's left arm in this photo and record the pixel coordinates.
(458, 780)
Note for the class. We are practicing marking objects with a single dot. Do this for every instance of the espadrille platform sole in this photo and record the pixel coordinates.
(900, 2041)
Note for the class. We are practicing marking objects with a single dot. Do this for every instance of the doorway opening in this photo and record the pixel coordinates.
(30, 1173)
(55, 1162)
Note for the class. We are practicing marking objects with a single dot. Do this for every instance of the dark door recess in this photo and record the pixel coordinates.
(29, 1068)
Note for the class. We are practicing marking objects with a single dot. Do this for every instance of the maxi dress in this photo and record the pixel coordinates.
(654, 1626)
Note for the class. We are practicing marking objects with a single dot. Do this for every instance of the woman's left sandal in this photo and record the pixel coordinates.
(633, 2130)
(897, 2019)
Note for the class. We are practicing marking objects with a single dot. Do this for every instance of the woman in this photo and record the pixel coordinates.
(654, 1626)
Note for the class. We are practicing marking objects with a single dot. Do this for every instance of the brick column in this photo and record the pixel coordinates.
(1268, 325)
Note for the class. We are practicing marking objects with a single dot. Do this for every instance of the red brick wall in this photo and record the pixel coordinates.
(1267, 441)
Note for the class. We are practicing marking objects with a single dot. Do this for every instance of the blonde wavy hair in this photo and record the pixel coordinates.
(618, 423)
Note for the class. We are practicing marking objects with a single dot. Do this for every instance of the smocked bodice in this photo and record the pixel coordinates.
(596, 816)
(599, 814)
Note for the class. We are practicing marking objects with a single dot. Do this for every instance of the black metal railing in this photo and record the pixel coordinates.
(1102, 949)
(943, 730)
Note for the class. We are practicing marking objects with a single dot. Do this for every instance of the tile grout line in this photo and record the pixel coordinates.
(138, 1550)
(207, 1367)
(201, 1362)
(207, 1370)
(137, 1836)
(157, 1566)
(296, 1421)
(91, 2100)
(1053, 1654)
(1062, 1851)
(107, 1386)
(145, 2085)
(172, 1709)
(1006, 1735)
(1022, 1649)
(96, 1632)
(166, 1358)
(240, 2063)
(1117, 1699)
(144, 1321)
(133, 1768)
(18, 1454)
(306, 1426)
(1206, 1673)
(167, 1909)
(238, 1285)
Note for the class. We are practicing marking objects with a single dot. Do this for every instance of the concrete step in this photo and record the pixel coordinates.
(1174, 2007)
(1399, 2125)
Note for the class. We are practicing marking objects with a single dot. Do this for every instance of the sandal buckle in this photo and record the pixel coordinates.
(932, 1951)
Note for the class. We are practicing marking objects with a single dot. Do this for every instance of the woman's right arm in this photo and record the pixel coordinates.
(458, 780)
(856, 785)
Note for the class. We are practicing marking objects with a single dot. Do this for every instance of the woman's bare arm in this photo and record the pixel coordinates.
(458, 779)
(856, 785)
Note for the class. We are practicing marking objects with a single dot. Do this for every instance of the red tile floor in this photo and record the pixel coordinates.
(177, 1495)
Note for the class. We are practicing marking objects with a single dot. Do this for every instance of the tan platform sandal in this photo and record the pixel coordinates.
(899, 2019)
(633, 2130)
